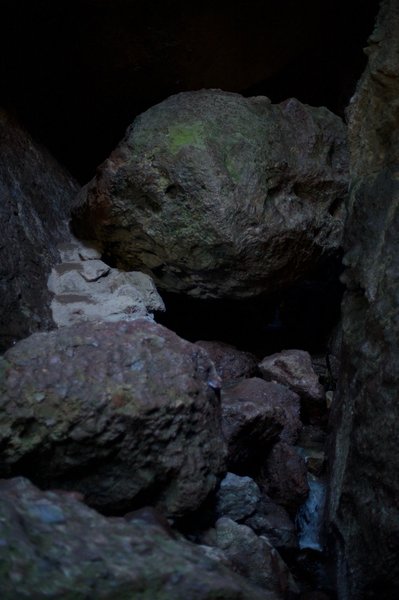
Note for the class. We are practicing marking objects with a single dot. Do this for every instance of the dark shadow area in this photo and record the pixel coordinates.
(302, 316)
(78, 73)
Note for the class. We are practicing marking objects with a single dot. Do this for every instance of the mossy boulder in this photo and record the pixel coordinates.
(216, 195)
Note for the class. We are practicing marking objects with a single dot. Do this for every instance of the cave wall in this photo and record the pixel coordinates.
(364, 498)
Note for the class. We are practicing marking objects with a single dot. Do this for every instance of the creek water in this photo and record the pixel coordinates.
(309, 520)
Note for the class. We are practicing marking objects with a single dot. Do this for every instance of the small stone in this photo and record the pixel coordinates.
(230, 363)
(237, 497)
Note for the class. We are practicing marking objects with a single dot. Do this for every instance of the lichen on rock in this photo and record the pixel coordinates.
(216, 195)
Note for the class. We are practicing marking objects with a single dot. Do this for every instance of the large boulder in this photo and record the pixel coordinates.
(123, 412)
(364, 491)
(36, 195)
(218, 196)
(55, 547)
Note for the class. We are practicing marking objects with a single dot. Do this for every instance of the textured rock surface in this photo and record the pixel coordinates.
(364, 510)
(237, 497)
(229, 362)
(123, 412)
(87, 289)
(285, 477)
(217, 195)
(294, 369)
(53, 546)
(240, 499)
(255, 414)
(35, 200)
(252, 556)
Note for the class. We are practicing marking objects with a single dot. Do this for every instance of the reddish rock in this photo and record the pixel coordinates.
(125, 413)
(284, 477)
(230, 363)
(294, 369)
(255, 414)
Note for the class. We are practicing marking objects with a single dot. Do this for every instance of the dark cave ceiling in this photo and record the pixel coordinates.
(77, 73)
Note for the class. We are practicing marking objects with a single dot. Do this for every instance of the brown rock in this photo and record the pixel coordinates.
(36, 197)
(255, 414)
(229, 362)
(284, 477)
(124, 413)
(294, 369)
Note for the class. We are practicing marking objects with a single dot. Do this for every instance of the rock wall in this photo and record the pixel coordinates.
(35, 199)
(364, 497)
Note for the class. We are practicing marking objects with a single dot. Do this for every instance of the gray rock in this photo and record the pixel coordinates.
(217, 195)
(230, 363)
(251, 556)
(86, 289)
(237, 497)
(53, 546)
(125, 413)
(240, 499)
(364, 490)
(256, 414)
(36, 196)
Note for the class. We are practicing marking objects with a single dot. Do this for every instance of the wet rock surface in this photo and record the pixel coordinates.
(364, 491)
(54, 546)
(36, 195)
(122, 412)
(206, 182)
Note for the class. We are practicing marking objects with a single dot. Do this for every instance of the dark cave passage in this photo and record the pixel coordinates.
(302, 316)
(77, 74)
